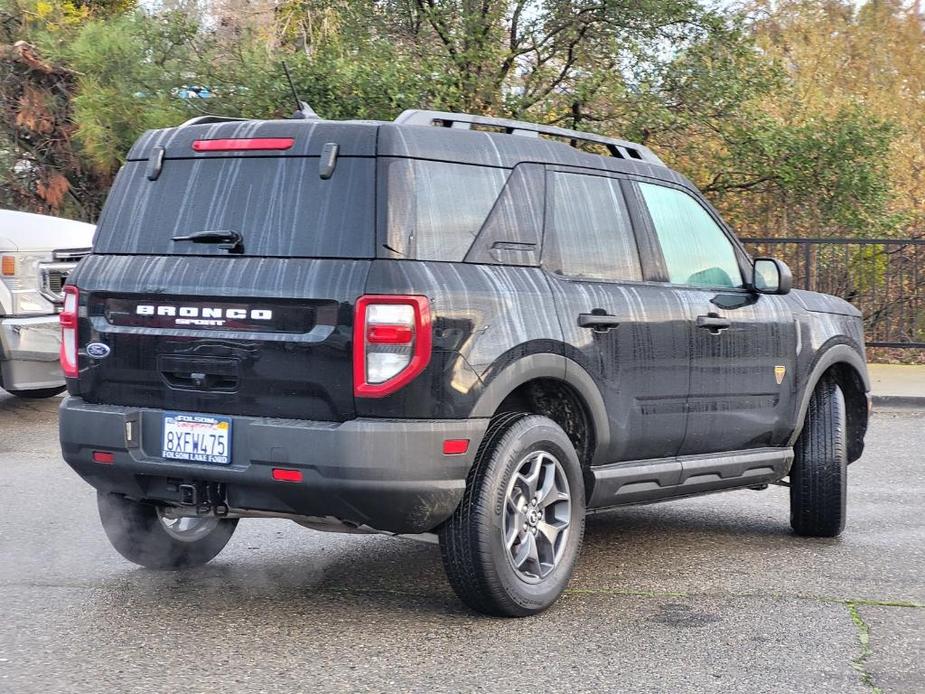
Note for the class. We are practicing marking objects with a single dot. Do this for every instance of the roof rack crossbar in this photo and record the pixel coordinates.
(621, 149)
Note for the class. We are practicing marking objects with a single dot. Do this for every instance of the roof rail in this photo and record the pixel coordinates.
(203, 120)
(622, 149)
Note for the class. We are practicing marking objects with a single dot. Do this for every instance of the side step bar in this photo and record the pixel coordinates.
(646, 481)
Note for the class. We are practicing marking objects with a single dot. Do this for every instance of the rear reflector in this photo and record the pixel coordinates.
(104, 457)
(389, 334)
(455, 446)
(284, 475)
(243, 144)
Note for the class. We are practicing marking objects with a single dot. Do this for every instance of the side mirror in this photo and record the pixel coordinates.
(771, 276)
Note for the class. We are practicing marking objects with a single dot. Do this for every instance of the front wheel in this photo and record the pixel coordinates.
(819, 476)
(155, 538)
(510, 547)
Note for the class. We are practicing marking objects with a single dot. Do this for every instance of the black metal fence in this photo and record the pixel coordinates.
(884, 278)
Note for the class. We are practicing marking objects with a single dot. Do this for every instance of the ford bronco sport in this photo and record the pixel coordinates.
(469, 326)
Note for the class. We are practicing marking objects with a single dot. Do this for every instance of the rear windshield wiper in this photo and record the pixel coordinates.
(231, 241)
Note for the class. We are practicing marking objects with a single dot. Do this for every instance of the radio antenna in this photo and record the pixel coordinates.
(302, 109)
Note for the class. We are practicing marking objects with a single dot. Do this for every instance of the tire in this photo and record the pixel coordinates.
(38, 393)
(476, 555)
(819, 476)
(141, 533)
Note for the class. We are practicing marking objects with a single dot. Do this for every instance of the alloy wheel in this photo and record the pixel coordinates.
(537, 509)
(185, 528)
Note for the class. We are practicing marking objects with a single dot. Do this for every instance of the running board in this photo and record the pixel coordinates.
(645, 481)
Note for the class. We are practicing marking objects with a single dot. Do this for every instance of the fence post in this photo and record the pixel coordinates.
(807, 266)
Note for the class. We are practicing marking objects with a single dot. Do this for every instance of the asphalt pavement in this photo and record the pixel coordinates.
(712, 594)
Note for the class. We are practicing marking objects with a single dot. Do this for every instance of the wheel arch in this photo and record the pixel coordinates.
(845, 365)
(544, 370)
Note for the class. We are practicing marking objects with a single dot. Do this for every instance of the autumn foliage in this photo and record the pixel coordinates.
(795, 117)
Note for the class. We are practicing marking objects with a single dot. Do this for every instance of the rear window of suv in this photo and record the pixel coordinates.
(279, 205)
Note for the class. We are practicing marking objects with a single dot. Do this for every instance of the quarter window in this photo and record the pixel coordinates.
(436, 209)
(588, 230)
(696, 250)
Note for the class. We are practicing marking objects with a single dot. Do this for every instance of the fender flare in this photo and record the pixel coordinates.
(840, 353)
(555, 366)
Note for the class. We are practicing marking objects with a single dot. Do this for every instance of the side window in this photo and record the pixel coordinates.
(588, 229)
(436, 209)
(696, 250)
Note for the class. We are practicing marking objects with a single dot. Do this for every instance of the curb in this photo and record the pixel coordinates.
(899, 402)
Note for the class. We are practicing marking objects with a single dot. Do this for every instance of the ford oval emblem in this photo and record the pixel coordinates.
(98, 350)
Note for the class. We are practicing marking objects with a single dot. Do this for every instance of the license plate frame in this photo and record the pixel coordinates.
(196, 438)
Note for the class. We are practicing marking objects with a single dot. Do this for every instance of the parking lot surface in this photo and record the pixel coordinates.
(712, 594)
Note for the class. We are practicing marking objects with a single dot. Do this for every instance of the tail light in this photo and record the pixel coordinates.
(391, 343)
(68, 319)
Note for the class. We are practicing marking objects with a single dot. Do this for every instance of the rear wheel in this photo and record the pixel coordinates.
(156, 538)
(510, 547)
(819, 476)
(38, 393)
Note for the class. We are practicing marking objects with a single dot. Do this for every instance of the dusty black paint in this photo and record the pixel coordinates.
(277, 373)
(649, 398)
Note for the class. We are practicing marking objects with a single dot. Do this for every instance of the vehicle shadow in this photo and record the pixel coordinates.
(687, 517)
(10, 404)
(334, 575)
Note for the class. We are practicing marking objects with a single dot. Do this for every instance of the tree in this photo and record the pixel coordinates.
(80, 81)
(737, 101)
(861, 69)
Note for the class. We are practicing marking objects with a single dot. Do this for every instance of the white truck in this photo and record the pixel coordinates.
(36, 255)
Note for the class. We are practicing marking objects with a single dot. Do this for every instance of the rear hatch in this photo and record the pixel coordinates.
(260, 328)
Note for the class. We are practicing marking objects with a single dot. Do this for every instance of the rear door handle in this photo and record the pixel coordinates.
(599, 322)
(713, 322)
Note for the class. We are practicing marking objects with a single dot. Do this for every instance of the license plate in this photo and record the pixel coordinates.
(197, 438)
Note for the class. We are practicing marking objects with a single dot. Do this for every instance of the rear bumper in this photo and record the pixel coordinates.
(390, 475)
(29, 353)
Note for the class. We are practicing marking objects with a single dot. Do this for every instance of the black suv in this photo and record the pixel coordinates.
(470, 326)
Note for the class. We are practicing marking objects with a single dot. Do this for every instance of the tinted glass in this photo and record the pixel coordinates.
(436, 209)
(696, 250)
(279, 205)
(588, 230)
